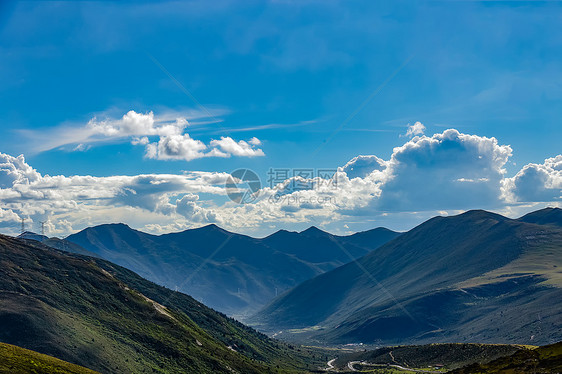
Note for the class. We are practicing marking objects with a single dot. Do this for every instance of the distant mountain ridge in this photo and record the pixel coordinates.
(546, 216)
(57, 243)
(474, 277)
(28, 235)
(233, 273)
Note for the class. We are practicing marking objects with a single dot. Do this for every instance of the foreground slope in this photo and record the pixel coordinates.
(16, 360)
(446, 356)
(233, 273)
(546, 359)
(475, 277)
(96, 314)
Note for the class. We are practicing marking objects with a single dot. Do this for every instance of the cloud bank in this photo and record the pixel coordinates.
(447, 171)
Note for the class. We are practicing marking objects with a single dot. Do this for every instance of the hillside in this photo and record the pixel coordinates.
(16, 360)
(475, 277)
(96, 314)
(445, 356)
(546, 216)
(546, 359)
(56, 243)
(233, 273)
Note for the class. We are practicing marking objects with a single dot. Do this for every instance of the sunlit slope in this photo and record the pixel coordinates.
(16, 360)
(546, 359)
(475, 277)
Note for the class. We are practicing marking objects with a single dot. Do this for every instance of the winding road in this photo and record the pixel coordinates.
(350, 366)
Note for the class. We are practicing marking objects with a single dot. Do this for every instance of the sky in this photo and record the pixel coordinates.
(352, 115)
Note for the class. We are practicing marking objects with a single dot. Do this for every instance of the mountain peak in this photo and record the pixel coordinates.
(33, 236)
(546, 216)
(117, 225)
(211, 227)
(481, 214)
(313, 231)
(281, 234)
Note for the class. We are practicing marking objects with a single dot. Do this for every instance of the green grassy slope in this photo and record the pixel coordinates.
(546, 359)
(475, 277)
(96, 314)
(451, 356)
(230, 332)
(16, 360)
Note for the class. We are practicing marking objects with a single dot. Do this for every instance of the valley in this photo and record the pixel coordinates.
(232, 273)
(476, 277)
(469, 291)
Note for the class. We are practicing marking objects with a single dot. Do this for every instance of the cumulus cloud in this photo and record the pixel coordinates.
(163, 137)
(254, 141)
(131, 125)
(415, 129)
(176, 147)
(242, 148)
(450, 170)
(361, 166)
(446, 172)
(183, 147)
(536, 182)
(136, 124)
(14, 170)
(86, 200)
(173, 143)
(187, 206)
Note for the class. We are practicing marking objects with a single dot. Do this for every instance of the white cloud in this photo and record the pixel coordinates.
(131, 125)
(536, 182)
(183, 147)
(176, 147)
(135, 124)
(8, 215)
(86, 200)
(361, 166)
(14, 170)
(140, 141)
(254, 141)
(172, 142)
(241, 148)
(450, 170)
(447, 172)
(187, 207)
(415, 129)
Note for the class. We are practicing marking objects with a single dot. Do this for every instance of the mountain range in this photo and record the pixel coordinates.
(96, 314)
(235, 274)
(474, 277)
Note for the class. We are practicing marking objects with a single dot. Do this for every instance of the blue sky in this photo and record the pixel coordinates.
(276, 84)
